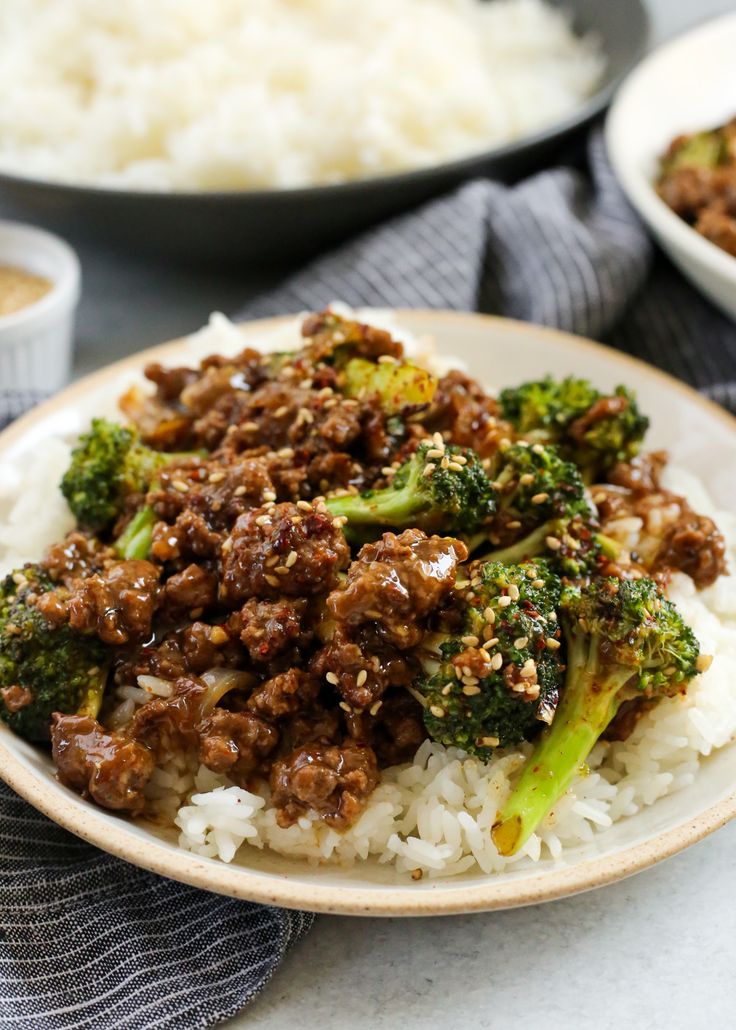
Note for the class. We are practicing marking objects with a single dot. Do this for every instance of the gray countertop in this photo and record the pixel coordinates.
(654, 951)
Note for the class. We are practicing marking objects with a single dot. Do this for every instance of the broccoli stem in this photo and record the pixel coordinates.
(589, 702)
(529, 546)
(387, 507)
(135, 540)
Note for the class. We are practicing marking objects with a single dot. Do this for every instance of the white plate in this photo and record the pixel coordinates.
(684, 86)
(699, 435)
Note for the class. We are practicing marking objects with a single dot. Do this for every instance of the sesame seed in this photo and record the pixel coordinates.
(332, 678)
(272, 580)
(285, 452)
(330, 403)
(527, 670)
(454, 466)
(600, 497)
(216, 477)
(470, 681)
(447, 689)
(227, 546)
(467, 670)
(387, 359)
(273, 560)
(496, 661)
(281, 570)
(458, 671)
(240, 491)
(445, 463)
(538, 584)
(489, 741)
(269, 505)
(552, 644)
(470, 640)
(470, 690)
(435, 452)
(428, 470)
(460, 459)
(306, 384)
(704, 662)
(540, 498)
(438, 440)
(437, 712)
(326, 391)
(538, 448)
(489, 616)
(375, 707)
(504, 602)
(553, 543)
(304, 505)
(388, 471)
(280, 412)
(180, 485)
(249, 427)
(345, 707)
(491, 642)
(269, 495)
(514, 592)
(527, 479)
(361, 677)
(513, 525)
(521, 642)
(218, 635)
(339, 521)
(291, 559)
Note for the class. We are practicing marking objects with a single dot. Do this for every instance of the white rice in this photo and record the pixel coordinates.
(192, 95)
(436, 813)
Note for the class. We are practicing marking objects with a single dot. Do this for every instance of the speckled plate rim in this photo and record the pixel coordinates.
(82, 819)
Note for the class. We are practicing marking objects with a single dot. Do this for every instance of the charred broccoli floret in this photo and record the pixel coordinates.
(624, 641)
(108, 465)
(542, 500)
(43, 668)
(499, 674)
(706, 149)
(398, 384)
(593, 429)
(441, 488)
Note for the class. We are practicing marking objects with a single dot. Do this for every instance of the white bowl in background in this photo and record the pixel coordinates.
(36, 341)
(686, 85)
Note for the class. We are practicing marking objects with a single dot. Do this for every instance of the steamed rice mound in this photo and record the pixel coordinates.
(226, 95)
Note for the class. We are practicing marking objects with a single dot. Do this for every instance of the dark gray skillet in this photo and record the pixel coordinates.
(263, 226)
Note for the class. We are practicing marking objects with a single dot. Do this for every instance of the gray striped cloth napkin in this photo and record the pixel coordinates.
(562, 248)
(87, 941)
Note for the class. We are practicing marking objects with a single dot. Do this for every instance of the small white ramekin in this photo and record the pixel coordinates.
(36, 342)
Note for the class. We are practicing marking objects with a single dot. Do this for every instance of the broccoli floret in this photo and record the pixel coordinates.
(624, 641)
(593, 429)
(109, 464)
(56, 668)
(699, 150)
(499, 673)
(542, 500)
(441, 488)
(398, 384)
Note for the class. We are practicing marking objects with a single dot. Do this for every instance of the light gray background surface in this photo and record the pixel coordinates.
(656, 951)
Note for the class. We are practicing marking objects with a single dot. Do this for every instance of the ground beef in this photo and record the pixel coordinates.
(194, 588)
(334, 781)
(326, 331)
(396, 582)
(603, 408)
(693, 545)
(269, 628)
(397, 729)
(117, 604)
(283, 695)
(235, 743)
(113, 770)
(77, 555)
(282, 550)
(206, 646)
(189, 537)
(170, 724)
(641, 475)
(16, 698)
(362, 669)
(464, 413)
(718, 227)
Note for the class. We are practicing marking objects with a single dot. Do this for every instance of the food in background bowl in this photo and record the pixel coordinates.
(277, 94)
(320, 600)
(697, 180)
(19, 288)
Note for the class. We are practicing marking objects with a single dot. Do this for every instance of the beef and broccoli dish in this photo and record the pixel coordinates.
(698, 181)
(313, 561)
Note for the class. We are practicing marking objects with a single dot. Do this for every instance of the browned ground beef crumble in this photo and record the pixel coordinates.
(250, 572)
